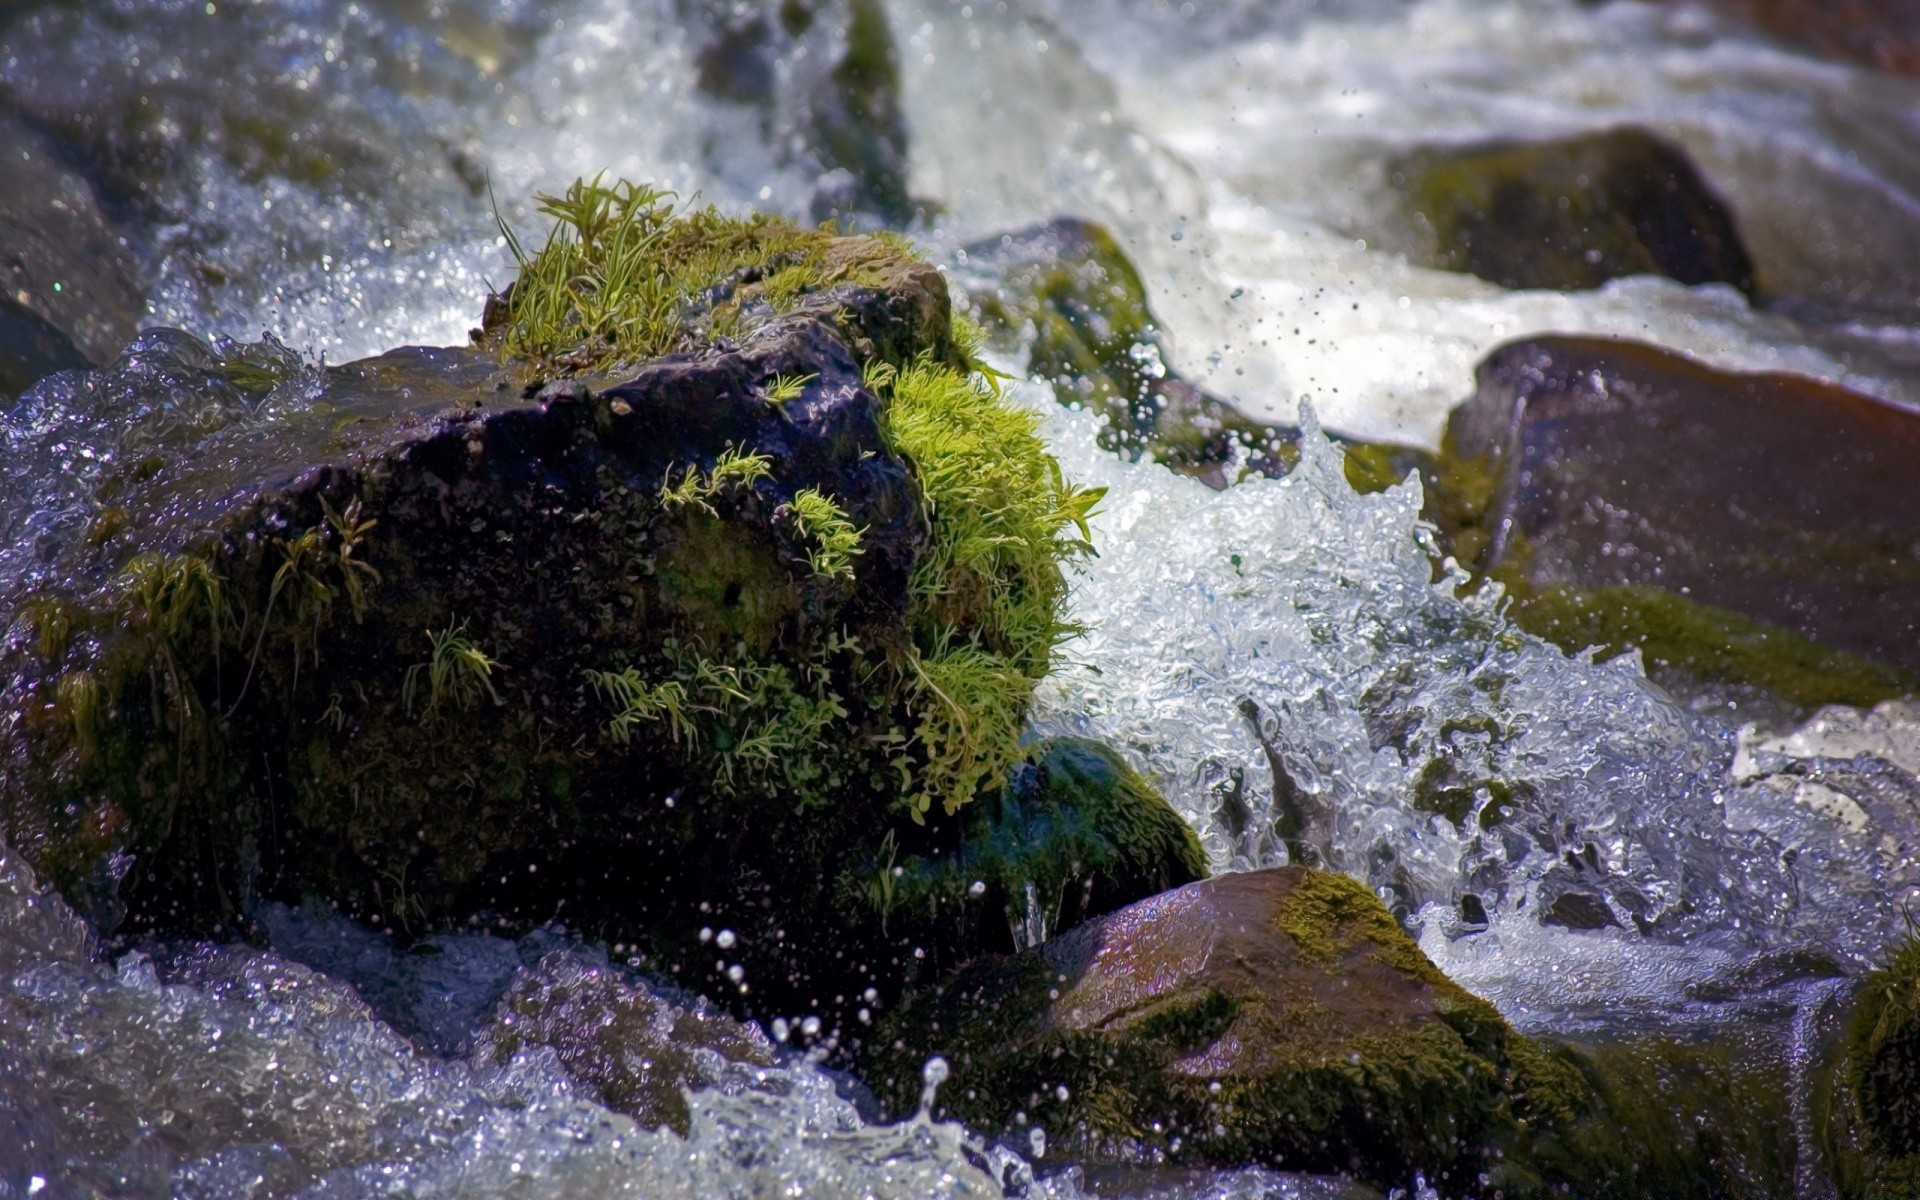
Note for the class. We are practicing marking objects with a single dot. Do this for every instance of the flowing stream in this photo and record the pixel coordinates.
(326, 172)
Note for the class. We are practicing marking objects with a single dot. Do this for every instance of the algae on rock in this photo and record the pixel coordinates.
(1868, 1108)
(1282, 1017)
(555, 624)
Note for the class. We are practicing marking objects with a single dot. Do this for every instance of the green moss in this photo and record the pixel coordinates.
(457, 674)
(988, 597)
(1869, 1110)
(624, 275)
(1076, 827)
(1329, 915)
(1702, 642)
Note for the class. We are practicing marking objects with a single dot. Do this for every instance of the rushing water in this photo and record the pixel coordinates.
(325, 170)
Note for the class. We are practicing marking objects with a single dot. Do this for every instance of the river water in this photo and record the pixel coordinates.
(326, 171)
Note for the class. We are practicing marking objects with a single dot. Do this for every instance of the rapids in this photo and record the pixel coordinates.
(326, 172)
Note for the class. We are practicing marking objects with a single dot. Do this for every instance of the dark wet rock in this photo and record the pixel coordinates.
(1280, 1017)
(31, 349)
(1065, 292)
(339, 632)
(634, 1048)
(1746, 528)
(1574, 213)
(1076, 834)
(823, 77)
(61, 260)
(1868, 1100)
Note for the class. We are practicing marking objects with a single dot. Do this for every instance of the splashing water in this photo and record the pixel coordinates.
(1452, 752)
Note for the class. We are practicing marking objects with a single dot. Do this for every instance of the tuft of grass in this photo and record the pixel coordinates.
(625, 273)
(733, 469)
(824, 523)
(782, 388)
(457, 672)
(638, 703)
(988, 598)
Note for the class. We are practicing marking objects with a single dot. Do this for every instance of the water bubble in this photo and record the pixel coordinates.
(725, 939)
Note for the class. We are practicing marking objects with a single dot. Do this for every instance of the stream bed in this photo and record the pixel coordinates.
(330, 175)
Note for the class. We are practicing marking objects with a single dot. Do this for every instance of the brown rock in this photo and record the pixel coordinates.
(1634, 473)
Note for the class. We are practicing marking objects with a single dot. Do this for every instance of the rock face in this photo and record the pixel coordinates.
(1278, 1017)
(676, 647)
(1734, 520)
(1066, 293)
(61, 260)
(1574, 213)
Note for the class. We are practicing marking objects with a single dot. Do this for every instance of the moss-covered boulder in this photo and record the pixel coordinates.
(1868, 1105)
(1743, 528)
(1075, 834)
(1282, 1017)
(552, 624)
(1065, 293)
(1574, 212)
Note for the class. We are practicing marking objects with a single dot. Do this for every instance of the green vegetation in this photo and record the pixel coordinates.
(626, 275)
(989, 595)
(1870, 1126)
(733, 469)
(1077, 826)
(458, 672)
(835, 540)
(782, 388)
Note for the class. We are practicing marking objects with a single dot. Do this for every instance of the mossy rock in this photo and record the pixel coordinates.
(1574, 213)
(667, 643)
(1743, 529)
(1278, 1017)
(1066, 293)
(1867, 1108)
(1075, 834)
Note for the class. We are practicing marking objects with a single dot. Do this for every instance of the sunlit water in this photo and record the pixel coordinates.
(1239, 151)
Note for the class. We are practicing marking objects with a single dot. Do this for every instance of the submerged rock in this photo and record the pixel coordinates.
(1754, 528)
(1065, 292)
(1278, 1017)
(637, 1050)
(1575, 212)
(673, 645)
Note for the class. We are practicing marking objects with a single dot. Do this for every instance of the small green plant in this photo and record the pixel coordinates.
(357, 576)
(782, 388)
(637, 703)
(824, 523)
(457, 672)
(82, 699)
(733, 469)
